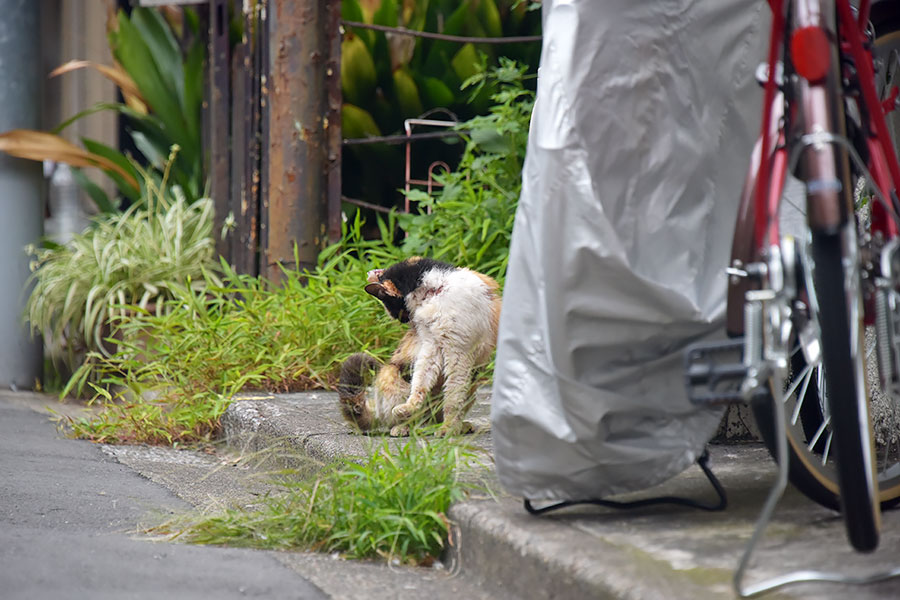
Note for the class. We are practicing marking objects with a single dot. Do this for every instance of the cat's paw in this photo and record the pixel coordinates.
(458, 428)
(402, 412)
(400, 431)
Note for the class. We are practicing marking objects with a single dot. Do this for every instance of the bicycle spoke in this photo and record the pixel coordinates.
(827, 447)
(806, 377)
(822, 428)
(890, 435)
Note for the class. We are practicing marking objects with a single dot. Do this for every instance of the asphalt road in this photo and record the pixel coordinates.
(68, 517)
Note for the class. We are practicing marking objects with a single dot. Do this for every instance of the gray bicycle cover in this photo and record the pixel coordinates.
(645, 117)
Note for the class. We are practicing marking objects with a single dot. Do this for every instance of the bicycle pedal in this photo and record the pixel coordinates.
(714, 373)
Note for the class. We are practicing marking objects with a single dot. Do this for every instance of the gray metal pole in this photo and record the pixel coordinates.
(21, 204)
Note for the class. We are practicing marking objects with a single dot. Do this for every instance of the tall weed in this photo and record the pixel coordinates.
(392, 504)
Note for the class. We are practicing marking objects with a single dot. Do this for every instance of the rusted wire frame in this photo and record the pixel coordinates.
(441, 36)
(364, 204)
(402, 139)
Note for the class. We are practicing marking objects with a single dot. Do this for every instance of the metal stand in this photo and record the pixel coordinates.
(702, 462)
(802, 576)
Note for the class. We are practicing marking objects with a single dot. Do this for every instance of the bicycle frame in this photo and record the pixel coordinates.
(757, 229)
(813, 138)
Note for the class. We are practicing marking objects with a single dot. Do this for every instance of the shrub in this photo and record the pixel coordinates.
(136, 258)
(176, 371)
(469, 221)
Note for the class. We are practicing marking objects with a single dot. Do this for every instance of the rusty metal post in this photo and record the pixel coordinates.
(245, 145)
(300, 115)
(333, 123)
(219, 114)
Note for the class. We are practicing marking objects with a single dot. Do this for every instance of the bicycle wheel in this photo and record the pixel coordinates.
(813, 441)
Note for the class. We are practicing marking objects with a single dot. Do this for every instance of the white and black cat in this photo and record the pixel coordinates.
(453, 314)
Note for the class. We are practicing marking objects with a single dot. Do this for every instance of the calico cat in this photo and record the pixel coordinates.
(453, 314)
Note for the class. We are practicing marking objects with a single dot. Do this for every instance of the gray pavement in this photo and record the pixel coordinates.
(89, 501)
(68, 513)
(498, 550)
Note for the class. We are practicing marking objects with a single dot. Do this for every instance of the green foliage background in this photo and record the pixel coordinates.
(389, 78)
(169, 80)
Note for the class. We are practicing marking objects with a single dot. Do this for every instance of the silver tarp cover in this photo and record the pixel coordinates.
(645, 117)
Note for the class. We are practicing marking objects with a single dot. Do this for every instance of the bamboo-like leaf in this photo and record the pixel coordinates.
(116, 74)
(39, 145)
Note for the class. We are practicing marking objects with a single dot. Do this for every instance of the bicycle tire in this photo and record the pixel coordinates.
(844, 365)
(810, 471)
(807, 469)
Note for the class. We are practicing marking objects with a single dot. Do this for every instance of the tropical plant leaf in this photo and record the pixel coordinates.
(164, 49)
(193, 88)
(132, 51)
(96, 193)
(40, 145)
(116, 74)
(124, 185)
(96, 108)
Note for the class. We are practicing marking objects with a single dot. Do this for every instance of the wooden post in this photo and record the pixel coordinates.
(301, 133)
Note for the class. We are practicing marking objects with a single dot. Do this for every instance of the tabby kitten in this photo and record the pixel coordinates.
(453, 314)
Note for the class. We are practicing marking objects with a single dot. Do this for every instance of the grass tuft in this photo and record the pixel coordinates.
(393, 505)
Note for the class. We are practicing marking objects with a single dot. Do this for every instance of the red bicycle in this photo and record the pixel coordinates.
(814, 281)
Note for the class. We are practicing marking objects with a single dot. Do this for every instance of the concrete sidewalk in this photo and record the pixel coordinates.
(592, 552)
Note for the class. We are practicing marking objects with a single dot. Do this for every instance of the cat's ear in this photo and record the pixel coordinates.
(377, 290)
(383, 290)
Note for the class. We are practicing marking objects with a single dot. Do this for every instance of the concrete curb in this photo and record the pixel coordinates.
(591, 552)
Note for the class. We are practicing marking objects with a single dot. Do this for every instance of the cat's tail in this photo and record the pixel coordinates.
(356, 374)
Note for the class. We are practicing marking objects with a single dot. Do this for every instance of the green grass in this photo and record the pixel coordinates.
(391, 505)
(174, 373)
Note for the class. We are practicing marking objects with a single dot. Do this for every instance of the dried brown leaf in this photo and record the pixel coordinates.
(114, 73)
(39, 145)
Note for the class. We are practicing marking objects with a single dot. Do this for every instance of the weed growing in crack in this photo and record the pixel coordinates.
(392, 504)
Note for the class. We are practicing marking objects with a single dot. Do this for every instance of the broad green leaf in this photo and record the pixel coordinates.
(124, 184)
(164, 49)
(96, 193)
(193, 88)
(134, 54)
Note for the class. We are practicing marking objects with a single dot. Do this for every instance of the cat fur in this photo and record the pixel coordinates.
(453, 314)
